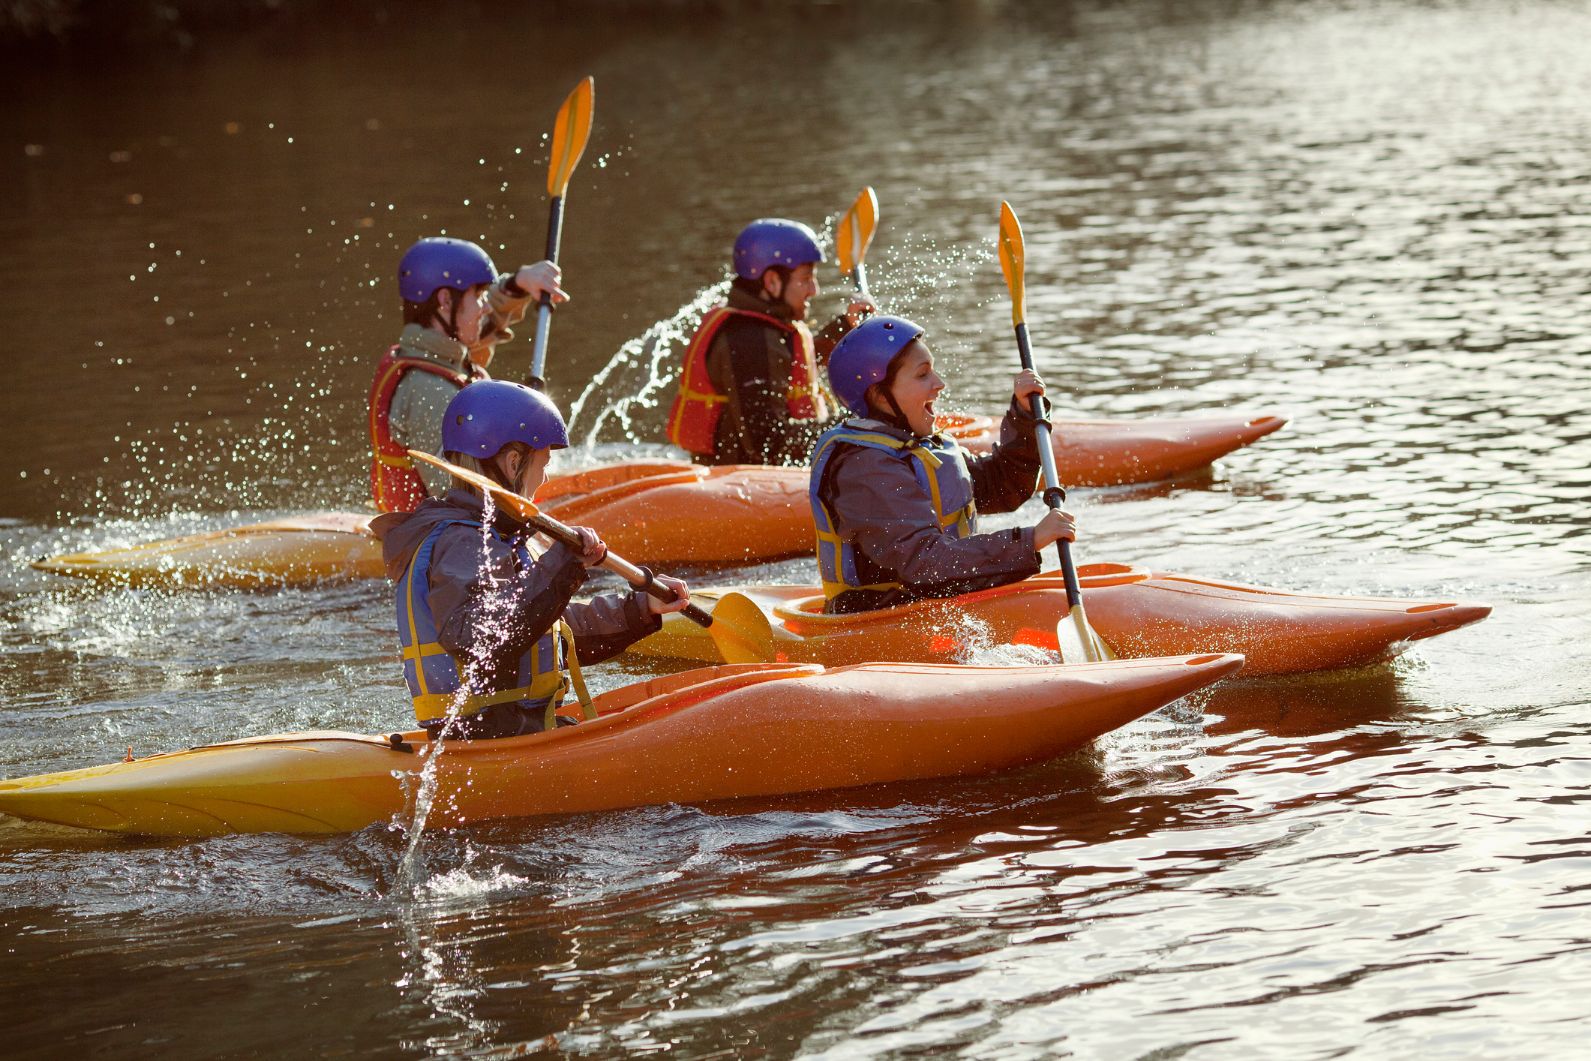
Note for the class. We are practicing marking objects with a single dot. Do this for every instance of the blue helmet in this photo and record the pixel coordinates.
(486, 416)
(442, 261)
(772, 241)
(862, 358)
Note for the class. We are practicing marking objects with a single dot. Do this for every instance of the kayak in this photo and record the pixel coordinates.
(1120, 452)
(757, 513)
(655, 511)
(717, 733)
(1136, 612)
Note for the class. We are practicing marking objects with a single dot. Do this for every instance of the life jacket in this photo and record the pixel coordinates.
(435, 678)
(693, 419)
(395, 484)
(941, 470)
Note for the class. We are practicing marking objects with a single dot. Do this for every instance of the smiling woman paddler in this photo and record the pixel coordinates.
(896, 505)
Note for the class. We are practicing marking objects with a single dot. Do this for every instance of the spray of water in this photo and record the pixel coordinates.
(641, 375)
(498, 614)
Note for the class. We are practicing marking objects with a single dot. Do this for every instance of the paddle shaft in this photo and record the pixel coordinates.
(859, 276)
(639, 577)
(1053, 493)
(538, 357)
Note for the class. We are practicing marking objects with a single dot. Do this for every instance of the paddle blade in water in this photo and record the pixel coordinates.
(1013, 260)
(741, 631)
(856, 231)
(569, 136)
(1077, 641)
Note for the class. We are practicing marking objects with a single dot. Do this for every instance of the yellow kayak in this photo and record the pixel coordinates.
(717, 733)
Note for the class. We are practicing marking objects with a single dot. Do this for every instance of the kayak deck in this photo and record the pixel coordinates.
(718, 733)
(1136, 611)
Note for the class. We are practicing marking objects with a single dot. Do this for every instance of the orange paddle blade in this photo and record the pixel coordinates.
(856, 231)
(569, 135)
(1013, 260)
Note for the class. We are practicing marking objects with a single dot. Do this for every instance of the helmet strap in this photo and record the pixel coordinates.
(453, 315)
(899, 417)
(895, 416)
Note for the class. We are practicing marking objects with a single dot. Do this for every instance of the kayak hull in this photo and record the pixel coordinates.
(720, 733)
(1136, 611)
(652, 511)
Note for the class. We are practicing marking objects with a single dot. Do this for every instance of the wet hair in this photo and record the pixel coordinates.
(422, 313)
(487, 468)
(429, 311)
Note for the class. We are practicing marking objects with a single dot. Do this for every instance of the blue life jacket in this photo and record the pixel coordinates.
(941, 470)
(435, 679)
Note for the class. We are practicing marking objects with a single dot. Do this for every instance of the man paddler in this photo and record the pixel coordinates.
(751, 389)
(456, 309)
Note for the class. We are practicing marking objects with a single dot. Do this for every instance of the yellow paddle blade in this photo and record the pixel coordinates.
(569, 136)
(1077, 641)
(741, 630)
(521, 508)
(1012, 260)
(856, 231)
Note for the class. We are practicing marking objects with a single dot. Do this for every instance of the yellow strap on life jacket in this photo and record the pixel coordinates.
(931, 462)
(711, 398)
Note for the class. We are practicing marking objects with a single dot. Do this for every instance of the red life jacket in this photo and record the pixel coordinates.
(395, 485)
(694, 417)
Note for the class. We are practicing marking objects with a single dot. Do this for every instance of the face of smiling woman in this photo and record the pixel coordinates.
(915, 387)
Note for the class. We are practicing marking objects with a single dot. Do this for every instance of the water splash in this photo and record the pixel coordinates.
(642, 373)
(975, 644)
(496, 615)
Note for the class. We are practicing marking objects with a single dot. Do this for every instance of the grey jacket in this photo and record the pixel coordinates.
(420, 398)
(880, 508)
(486, 603)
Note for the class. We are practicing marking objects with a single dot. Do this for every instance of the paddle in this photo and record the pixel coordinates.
(739, 628)
(1075, 638)
(853, 237)
(569, 135)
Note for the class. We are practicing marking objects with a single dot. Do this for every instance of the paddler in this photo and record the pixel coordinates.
(896, 505)
(456, 309)
(750, 390)
(491, 643)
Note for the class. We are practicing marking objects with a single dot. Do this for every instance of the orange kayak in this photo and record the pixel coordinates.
(1118, 452)
(663, 513)
(711, 734)
(1136, 611)
(735, 514)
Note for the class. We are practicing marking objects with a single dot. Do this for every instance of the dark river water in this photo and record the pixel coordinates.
(1369, 216)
